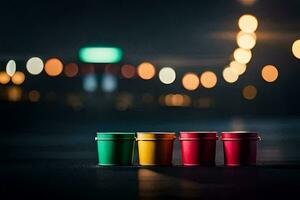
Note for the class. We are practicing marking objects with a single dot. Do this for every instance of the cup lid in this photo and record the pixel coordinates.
(154, 135)
(107, 135)
(239, 134)
(198, 134)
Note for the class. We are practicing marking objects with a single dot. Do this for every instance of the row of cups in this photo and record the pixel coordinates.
(156, 148)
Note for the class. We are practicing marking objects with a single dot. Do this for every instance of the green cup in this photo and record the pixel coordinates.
(115, 148)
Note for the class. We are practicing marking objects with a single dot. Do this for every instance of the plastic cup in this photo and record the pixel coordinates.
(155, 148)
(198, 148)
(115, 148)
(240, 148)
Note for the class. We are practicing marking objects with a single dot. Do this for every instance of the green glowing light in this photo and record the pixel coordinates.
(100, 54)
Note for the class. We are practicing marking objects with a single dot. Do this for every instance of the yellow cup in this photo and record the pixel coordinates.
(155, 148)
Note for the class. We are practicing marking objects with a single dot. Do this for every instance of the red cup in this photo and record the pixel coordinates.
(239, 147)
(198, 148)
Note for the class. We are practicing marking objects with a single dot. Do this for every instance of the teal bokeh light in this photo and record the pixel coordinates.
(100, 54)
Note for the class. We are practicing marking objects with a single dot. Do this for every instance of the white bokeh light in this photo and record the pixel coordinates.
(230, 75)
(167, 75)
(35, 65)
(11, 68)
(90, 83)
(109, 83)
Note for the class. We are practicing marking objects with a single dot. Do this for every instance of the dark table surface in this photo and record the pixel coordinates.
(56, 159)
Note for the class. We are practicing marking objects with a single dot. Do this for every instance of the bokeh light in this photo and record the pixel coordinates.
(34, 96)
(249, 92)
(18, 78)
(208, 79)
(111, 69)
(100, 54)
(296, 49)
(109, 82)
(246, 40)
(35, 65)
(4, 78)
(71, 70)
(239, 68)
(11, 67)
(53, 67)
(87, 69)
(242, 55)
(269, 73)
(146, 70)
(247, 2)
(128, 71)
(190, 81)
(14, 93)
(167, 75)
(230, 75)
(177, 100)
(248, 23)
(90, 83)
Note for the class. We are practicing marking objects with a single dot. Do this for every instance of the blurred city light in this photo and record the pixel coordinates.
(100, 54)
(190, 81)
(230, 75)
(167, 75)
(208, 79)
(177, 100)
(239, 68)
(11, 67)
(14, 93)
(109, 83)
(111, 69)
(249, 92)
(18, 78)
(248, 23)
(4, 78)
(53, 67)
(35, 65)
(242, 55)
(296, 48)
(246, 40)
(128, 71)
(269, 73)
(247, 2)
(146, 70)
(90, 83)
(87, 69)
(71, 70)
(34, 96)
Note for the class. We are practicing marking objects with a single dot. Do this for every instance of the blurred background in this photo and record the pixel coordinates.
(216, 57)
(75, 67)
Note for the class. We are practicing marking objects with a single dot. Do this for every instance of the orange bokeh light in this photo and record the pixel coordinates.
(4, 78)
(190, 81)
(128, 71)
(269, 73)
(34, 96)
(71, 70)
(53, 67)
(249, 92)
(146, 70)
(18, 78)
(208, 79)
